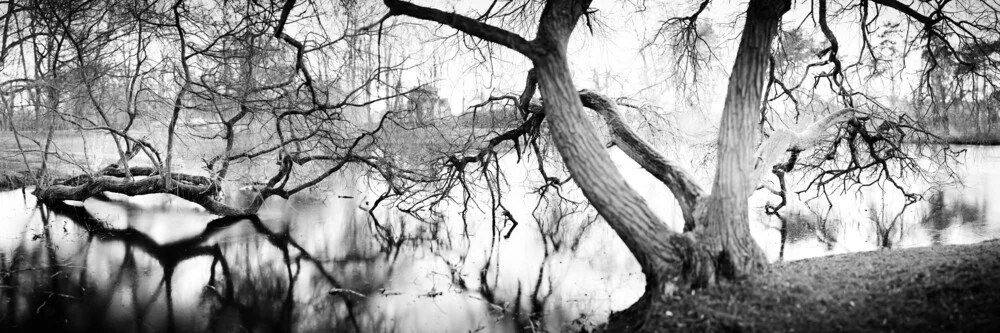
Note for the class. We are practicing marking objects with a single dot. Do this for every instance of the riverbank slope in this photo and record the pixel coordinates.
(953, 288)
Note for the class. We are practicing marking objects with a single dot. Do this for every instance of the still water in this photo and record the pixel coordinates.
(319, 262)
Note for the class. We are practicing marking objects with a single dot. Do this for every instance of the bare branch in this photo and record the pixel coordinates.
(467, 25)
(685, 189)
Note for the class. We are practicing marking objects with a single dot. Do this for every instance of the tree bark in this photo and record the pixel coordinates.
(197, 189)
(724, 231)
(682, 185)
(659, 251)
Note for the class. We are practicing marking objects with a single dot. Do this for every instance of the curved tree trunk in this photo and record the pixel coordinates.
(659, 251)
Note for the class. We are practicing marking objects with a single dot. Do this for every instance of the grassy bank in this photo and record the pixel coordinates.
(936, 289)
(15, 180)
(14, 175)
(973, 141)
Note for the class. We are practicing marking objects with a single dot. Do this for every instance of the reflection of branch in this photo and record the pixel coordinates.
(342, 291)
(168, 255)
(171, 254)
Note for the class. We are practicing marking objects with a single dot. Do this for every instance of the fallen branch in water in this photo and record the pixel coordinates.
(197, 189)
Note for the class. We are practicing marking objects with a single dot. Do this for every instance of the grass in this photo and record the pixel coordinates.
(14, 175)
(935, 289)
(91, 149)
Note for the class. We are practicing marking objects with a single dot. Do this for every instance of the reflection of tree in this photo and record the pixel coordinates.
(561, 226)
(936, 220)
(260, 296)
(888, 226)
(942, 214)
(798, 226)
(39, 293)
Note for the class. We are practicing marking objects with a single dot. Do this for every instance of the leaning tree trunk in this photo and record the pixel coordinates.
(721, 246)
(724, 221)
(659, 251)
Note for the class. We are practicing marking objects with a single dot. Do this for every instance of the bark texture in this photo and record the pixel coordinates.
(724, 220)
(681, 184)
(197, 189)
(659, 251)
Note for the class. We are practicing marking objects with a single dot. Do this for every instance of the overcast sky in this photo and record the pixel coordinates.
(611, 58)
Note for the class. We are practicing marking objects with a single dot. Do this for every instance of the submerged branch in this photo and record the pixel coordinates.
(197, 189)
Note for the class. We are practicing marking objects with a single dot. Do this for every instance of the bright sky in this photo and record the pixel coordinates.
(609, 59)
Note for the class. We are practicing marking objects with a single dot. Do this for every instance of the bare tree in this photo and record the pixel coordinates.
(865, 135)
(301, 123)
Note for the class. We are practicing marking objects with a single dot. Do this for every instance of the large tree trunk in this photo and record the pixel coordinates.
(197, 189)
(724, 222)
(659, 251)
(725, 248)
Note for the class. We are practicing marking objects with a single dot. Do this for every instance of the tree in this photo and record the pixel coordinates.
(719, 247)
(306, 132)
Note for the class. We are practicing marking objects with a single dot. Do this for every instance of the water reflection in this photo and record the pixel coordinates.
(109, 264)
(82, 273)
(942, 215)
(877, 218)
(347, 263)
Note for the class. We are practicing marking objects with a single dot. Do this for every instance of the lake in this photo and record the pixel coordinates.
(319, 262)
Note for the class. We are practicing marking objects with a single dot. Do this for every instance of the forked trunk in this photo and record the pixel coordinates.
(721, 247)
(725, 248)
(670, 261)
